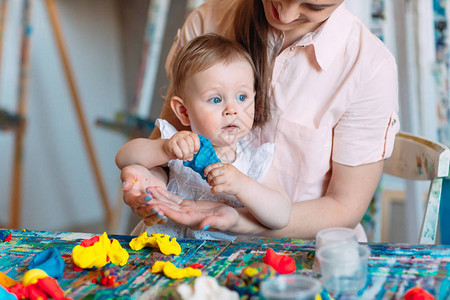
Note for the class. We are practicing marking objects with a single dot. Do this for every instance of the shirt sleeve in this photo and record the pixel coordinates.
(166, 129)
(366, 132)
(193, 26)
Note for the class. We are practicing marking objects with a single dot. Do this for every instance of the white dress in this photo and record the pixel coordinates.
(186, 183)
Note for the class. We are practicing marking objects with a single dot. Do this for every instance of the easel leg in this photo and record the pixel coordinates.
(16, 193)
(3, 9)
(54, 19)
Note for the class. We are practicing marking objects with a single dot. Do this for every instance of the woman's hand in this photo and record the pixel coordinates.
(194, 214)
(136, 180)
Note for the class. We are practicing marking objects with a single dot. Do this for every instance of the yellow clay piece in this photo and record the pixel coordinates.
(250, 272)
(165, 244)
(6, 281)
(319, 297)
(32, 276)
(171, 271)
(158, 266)
(117, 254)
(141, 241)
(97, 254)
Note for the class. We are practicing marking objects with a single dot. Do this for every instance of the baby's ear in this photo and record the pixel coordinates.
(180, 110)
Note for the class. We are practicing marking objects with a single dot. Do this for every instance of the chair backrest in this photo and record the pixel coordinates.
(416, 158)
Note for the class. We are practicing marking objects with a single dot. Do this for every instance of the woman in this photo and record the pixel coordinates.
(333, 90)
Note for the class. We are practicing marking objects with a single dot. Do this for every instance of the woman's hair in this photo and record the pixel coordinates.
(203, 52)
(251, 31)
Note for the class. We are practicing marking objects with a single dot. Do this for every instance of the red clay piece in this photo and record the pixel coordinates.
(418, 293)
(196, 266)
(8, 238)
(51, 287)
(43, 289)
(90, 242)
(283, 264)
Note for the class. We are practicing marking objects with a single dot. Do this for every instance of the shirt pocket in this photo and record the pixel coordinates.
(302, 157)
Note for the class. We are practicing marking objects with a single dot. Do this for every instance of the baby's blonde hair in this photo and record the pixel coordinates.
(203, 52)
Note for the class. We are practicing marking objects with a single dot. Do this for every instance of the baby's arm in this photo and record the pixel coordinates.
(151, 153)
(266, 201)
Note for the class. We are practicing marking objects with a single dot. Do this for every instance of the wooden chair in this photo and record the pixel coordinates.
(415, 158)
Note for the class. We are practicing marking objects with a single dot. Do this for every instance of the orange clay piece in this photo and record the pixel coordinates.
(171, 271)
(6, 281)
(166, 244)
(100, 253)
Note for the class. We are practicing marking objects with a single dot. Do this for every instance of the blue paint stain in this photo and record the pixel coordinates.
(28, 30)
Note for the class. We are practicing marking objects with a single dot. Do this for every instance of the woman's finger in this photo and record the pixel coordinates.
(161, 194)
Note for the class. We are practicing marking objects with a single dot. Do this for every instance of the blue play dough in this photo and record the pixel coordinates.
(205, 157)
(50, 261)
(5, 295)
(4, 234)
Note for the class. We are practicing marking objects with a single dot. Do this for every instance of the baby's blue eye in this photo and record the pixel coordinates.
(242, 97)
(215, 100)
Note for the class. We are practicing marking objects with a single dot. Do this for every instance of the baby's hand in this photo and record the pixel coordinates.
(182, 145)
(225, 178)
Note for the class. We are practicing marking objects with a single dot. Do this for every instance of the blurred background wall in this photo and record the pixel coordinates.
(105, 40)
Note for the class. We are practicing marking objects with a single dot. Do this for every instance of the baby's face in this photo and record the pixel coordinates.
(220, 102)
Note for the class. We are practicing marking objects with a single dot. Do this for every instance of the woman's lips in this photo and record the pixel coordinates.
(275, 13)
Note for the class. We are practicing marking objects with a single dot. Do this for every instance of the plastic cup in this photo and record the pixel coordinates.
(335, 235)
(332, 236)
(290, 287)
(343, 267)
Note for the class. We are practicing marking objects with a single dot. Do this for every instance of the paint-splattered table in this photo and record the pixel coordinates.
(393, 268)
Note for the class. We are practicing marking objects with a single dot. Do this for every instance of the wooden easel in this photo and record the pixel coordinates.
(16, 192)
(16, 195)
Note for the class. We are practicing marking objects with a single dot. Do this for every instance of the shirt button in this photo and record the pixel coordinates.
(292, 49)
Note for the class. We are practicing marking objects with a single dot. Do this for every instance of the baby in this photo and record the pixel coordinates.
(215, 93)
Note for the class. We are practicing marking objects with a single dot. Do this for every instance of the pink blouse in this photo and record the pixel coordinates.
(335, 92)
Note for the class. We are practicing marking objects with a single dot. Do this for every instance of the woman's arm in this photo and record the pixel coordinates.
(348, 196)
(344, 204)
(267, 201)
